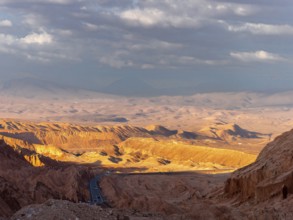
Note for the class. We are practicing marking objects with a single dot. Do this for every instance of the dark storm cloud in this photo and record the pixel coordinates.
(145, 36)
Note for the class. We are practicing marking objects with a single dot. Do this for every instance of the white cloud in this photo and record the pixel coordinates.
(34, 21)
(229, 8)
(175, 61)
(145, 17)
(188, 60)
(147, 31)
(156, 17)
(35, 38)
(10, 40)
(262, 29)
(5, 23)
(31, 48)
(257, 56)
(90, 27)
(7, 39)
(184, 13)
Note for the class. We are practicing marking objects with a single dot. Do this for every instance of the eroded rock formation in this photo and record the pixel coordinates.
(21, 183)
(264, 178)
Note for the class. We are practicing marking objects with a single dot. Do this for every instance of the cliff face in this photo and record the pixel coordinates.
(12, 197)
(265, 177)
(21, 183)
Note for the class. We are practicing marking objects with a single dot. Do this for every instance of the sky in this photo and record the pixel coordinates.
(175, 45)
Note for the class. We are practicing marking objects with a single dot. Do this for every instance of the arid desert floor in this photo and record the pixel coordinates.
(206, 156)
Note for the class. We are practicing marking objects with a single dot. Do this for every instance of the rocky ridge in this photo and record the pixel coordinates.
(264, 178)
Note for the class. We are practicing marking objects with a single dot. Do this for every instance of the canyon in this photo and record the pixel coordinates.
(158, 158)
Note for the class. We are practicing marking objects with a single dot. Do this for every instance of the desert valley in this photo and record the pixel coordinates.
(146, 110)
(206, 156)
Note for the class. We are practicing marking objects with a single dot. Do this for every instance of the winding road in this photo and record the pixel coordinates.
(95, 191)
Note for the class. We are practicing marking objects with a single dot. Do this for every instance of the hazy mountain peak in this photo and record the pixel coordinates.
(130, 86)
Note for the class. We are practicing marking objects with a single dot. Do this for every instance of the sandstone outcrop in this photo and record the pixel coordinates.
(180, 153)
(264, 178)
(22, 183)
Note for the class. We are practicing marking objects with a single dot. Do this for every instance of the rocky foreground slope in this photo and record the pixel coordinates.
(258, 187)
(263, 179)
(22, 184)
(61, 209)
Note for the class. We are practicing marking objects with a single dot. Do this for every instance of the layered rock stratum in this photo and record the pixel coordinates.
(152, 148)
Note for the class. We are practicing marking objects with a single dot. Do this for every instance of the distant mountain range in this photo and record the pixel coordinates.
(37, 88)
(32, 88)
(126, 86)
(130, 86)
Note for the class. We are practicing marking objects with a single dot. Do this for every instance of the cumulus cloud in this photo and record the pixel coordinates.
(140, 34)
(145, 17)
(101, 29)
(35, 47)
(186, 13)
(34, 38)
(237, 9)
(257, 56)
(5, 23)
(156, 17)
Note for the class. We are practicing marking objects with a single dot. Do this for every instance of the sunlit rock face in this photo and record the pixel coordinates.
(154, 148)
(26, 179)
(264, 178)
(34, 160)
